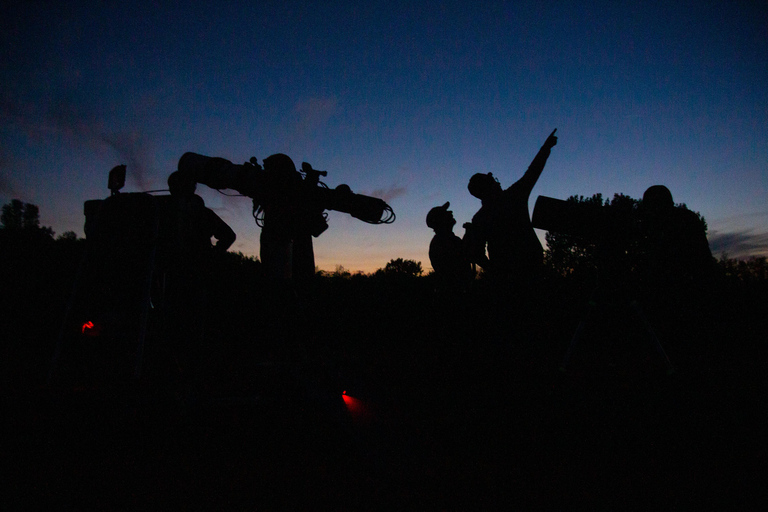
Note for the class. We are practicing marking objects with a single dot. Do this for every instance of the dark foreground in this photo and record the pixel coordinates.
(450, 405)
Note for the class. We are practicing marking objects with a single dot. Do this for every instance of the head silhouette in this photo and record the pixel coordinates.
(440, 218)
(483, 186)
(279, 162)
(281, 172)
(179, 184)
(658, 198)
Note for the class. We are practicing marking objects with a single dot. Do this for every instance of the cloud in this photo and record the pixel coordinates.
(69, 119)
(131, 147)
(10, 109)
(7, 187)
(739, 244)
(5, 183)
(388, 194)
(308, 116)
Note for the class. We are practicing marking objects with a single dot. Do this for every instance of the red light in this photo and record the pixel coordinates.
(359, 411)
(353, 404)
(91, 329)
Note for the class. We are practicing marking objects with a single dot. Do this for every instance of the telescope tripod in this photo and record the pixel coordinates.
(636, 308)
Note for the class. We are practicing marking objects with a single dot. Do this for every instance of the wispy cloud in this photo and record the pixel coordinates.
(71, 120)
(6, 187)
(314, 110)
(739, 244)
(749, 216)
(132, 147)
(388, 194)
(308, 116)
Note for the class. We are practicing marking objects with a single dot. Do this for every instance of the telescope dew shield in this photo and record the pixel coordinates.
(552, 214)
(252, 181)
(365, 208)
(215, 172)
(568, 217)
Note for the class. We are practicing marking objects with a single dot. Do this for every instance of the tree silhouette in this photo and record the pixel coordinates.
(341, 272)
(13, 214)
(20, 216)
(751, 270)
(401, 266)
(610, 232)
(68, 237)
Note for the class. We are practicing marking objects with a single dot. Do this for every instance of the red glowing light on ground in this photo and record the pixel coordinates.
(91, 329)
(359, 411)
(353, 404)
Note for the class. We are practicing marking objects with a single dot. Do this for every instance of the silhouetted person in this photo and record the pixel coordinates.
(675, 269)
(503, 221)
(310, 223)
(194, 225)
(187, 254)
(279, 205)
(448, 253)
(290, 216)
(674, 251)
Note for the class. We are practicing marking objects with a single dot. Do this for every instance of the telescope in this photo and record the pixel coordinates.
(589, 221)
(252, 180)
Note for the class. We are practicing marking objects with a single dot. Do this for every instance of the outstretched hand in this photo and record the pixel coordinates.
(551, 140)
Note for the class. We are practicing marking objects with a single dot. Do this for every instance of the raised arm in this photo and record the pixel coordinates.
(531, 176)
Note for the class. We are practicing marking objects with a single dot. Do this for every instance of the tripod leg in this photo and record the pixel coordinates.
(576, 336)
(654, 337)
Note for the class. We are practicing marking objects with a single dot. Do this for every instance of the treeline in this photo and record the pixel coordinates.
(383, 321)
(565, 255)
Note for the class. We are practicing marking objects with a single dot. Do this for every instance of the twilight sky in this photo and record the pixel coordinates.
(400, 100)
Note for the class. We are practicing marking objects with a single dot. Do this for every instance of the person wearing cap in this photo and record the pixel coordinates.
(503, 221)
(448, 253)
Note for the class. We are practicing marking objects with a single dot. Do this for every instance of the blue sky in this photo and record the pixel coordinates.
(400, 100)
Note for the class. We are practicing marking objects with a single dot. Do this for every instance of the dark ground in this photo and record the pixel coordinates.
(460, 405)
